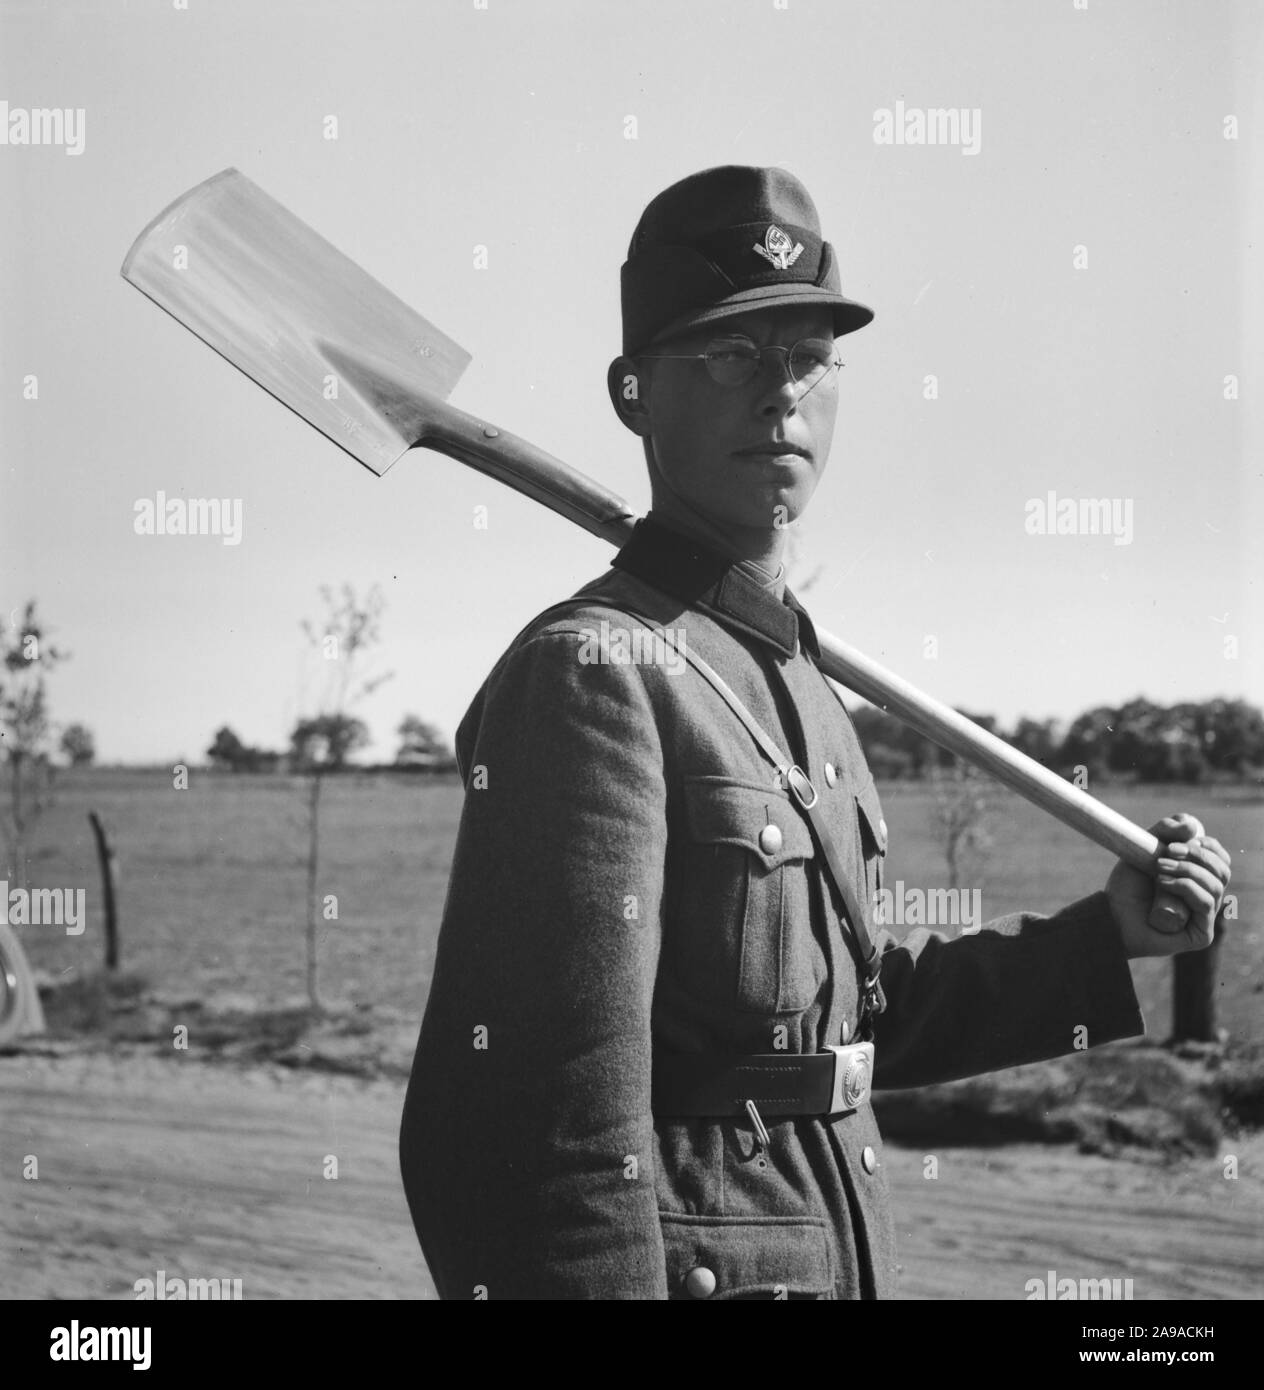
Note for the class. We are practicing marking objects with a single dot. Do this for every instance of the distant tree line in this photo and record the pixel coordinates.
(329, 741)
(1139, 741)
(1211, 740)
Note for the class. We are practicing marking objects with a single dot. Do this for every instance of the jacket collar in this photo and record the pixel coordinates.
(690, 570)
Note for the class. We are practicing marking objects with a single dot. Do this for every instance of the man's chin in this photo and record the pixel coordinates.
(761, 509)
(773, 507)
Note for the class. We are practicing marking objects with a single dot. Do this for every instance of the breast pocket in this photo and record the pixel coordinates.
(741, 933)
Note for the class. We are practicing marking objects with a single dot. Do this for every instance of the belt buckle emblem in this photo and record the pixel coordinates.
(853, 1075)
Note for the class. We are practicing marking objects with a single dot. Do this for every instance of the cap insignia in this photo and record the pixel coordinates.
(778, 249)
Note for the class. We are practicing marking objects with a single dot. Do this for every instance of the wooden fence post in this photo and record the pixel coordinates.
(105, 854)
(1194, 976)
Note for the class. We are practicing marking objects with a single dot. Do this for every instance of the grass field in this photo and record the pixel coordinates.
(212, 880)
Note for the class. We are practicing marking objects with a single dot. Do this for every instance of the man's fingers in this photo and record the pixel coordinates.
(1168, 914)
(1179, 827)
(1211, 854)
(1220, 854)
(1201, 900)
(1187, 871)
(1197, 902)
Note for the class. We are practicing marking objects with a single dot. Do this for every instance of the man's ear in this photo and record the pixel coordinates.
(628, 387)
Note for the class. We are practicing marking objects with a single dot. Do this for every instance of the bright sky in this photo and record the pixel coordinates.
(1102, 127)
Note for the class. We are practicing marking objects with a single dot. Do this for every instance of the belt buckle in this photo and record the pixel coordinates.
(853, 1075)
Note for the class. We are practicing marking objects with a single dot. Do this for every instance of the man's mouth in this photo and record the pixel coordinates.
(773, 449)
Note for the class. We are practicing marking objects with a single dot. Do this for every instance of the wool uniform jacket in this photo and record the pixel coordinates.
(613, 899)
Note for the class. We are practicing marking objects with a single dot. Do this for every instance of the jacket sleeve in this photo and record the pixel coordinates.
(1022, 989)
(527, 1139)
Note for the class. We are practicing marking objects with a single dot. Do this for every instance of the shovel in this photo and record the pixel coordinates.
(326, 339)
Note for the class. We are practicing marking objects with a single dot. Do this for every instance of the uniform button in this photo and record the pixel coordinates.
(882, 827)
(867, 1157)
(831, 776)
(770, 839)
(844, 1032)
(700, 1282)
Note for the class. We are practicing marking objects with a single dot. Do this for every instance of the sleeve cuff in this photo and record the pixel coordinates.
(1108, 1000)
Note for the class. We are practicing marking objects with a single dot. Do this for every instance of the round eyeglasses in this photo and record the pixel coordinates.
(736, 361)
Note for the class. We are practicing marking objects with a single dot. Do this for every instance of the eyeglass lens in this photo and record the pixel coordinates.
(734, 361)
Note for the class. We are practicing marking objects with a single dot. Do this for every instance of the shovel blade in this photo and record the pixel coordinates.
(296, 316)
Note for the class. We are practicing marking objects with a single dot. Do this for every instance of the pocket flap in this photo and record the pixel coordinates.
(745, 1255)
(760, 819)
(871, 816)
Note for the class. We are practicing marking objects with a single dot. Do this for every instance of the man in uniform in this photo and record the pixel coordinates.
(656, 1000)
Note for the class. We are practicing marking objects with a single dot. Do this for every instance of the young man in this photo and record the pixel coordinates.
(643, 1067)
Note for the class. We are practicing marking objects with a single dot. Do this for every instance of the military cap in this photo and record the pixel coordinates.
(722, 242)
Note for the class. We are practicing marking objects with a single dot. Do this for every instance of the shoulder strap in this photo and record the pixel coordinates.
(805, 797)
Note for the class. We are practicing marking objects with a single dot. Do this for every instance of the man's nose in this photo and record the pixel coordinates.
(780, 392)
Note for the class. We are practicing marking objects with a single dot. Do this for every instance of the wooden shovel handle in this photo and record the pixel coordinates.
(520, 465)
(1032, 780)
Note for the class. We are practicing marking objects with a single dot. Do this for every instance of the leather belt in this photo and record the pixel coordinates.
(721, 1084)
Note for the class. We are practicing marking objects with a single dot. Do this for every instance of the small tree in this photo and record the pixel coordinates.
(25, 731)
(327, 741)
(421, 742)
(227, 750)
(323, 742)
(78, 745)
(961, 814)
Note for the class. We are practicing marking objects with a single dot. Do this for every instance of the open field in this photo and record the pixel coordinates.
(212, 880)
(150, 1162)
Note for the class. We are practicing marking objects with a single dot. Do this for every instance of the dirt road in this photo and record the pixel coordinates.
(206, 1172)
